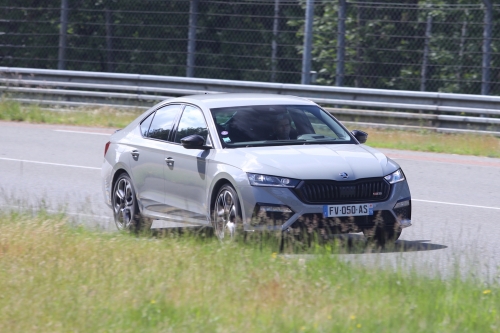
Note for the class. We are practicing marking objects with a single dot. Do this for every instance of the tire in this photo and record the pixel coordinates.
(382, 235)
(226, 215)
(125, 208)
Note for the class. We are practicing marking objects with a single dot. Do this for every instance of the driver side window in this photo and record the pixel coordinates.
(192, 122)
(163, 121)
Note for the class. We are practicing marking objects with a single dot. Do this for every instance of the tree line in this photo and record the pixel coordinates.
(404, 44)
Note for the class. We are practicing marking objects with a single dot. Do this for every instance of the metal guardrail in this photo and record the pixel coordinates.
(436, 111)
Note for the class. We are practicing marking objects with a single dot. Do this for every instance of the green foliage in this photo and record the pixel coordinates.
(384, 45)
(384, 41)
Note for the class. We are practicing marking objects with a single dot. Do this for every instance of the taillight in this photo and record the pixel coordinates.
(106, 147)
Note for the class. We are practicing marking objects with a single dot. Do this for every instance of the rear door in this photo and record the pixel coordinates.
(148, 157)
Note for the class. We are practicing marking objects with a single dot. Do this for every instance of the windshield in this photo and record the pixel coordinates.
(271, 125)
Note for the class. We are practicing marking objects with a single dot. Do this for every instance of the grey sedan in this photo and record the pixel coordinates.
(251, 162)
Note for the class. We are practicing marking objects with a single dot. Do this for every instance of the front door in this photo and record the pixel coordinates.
(186, 173)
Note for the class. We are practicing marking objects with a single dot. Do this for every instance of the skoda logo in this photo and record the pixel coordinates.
(344, 175)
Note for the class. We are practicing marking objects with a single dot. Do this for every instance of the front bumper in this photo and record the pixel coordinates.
(311, 215)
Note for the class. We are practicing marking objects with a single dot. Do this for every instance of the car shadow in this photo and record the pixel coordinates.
(340, 243)
(357, 244)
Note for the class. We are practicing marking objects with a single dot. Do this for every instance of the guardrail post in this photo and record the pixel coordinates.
(274, 44)
(109, 39)
(306, 56)
(339, 72)
(461, 52)
(62, 35)
(425, 60)
(358, 80)
(488, 23)
(191, 49)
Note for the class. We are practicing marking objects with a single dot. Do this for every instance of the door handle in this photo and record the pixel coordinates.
(135, 153)
(170, 161)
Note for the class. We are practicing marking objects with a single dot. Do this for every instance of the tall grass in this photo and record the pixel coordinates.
(58, 278)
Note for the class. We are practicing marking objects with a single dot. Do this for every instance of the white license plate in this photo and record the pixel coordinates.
(347, 210)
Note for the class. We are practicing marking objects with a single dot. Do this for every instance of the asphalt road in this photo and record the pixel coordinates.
(456, 199)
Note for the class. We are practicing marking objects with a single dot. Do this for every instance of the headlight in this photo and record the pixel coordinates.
(265, 180)
(395, 177)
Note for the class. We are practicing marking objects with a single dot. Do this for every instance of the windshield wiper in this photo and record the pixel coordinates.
(318, 142)
(282, 143)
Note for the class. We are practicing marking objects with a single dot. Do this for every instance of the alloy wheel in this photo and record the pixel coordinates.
(124, 203)
(225, 213)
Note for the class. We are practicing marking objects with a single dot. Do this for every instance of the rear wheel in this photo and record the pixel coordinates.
(226, 216)
(125, 207)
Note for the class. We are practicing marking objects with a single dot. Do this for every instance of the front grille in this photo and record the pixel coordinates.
(331, 192)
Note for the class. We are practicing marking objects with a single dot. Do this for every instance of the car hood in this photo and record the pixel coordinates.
(312, 161)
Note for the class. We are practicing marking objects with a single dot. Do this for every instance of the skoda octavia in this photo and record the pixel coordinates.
(250, 162)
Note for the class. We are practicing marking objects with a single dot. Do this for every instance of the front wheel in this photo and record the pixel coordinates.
(226, 216)
(125, 207)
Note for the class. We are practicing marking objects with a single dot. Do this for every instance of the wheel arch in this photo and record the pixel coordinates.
(215, 189)
(117, 174)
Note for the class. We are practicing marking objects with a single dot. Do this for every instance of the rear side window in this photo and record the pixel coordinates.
(145, 124)
(163, 121)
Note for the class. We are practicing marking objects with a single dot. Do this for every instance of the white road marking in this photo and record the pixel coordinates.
(59, 212)
(455, 204)
(93, 168)
(79, 132)
(48, 163)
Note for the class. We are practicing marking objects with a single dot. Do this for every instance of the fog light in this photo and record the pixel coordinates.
(271, 215)
(402, 210)
(275, 209)
(401, 204)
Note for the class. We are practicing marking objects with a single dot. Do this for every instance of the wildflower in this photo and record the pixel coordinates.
(303, 328)
(353, 317)
(274, 255)
(153, 301)
(486, 292)
(358, 325)
(329, 317)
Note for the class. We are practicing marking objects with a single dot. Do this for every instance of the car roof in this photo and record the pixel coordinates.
(229, 99)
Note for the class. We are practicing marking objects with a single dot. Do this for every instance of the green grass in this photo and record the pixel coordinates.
(58, 278)
(98, 117)
(463, 144)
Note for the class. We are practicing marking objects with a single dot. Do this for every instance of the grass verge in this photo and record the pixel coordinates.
(57, 278)
(463, 144)
(99, 117)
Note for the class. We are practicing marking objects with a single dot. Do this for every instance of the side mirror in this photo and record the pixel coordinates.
(194, 141)
(360, 136)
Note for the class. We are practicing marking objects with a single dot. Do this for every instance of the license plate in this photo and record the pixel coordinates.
(347, 210)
